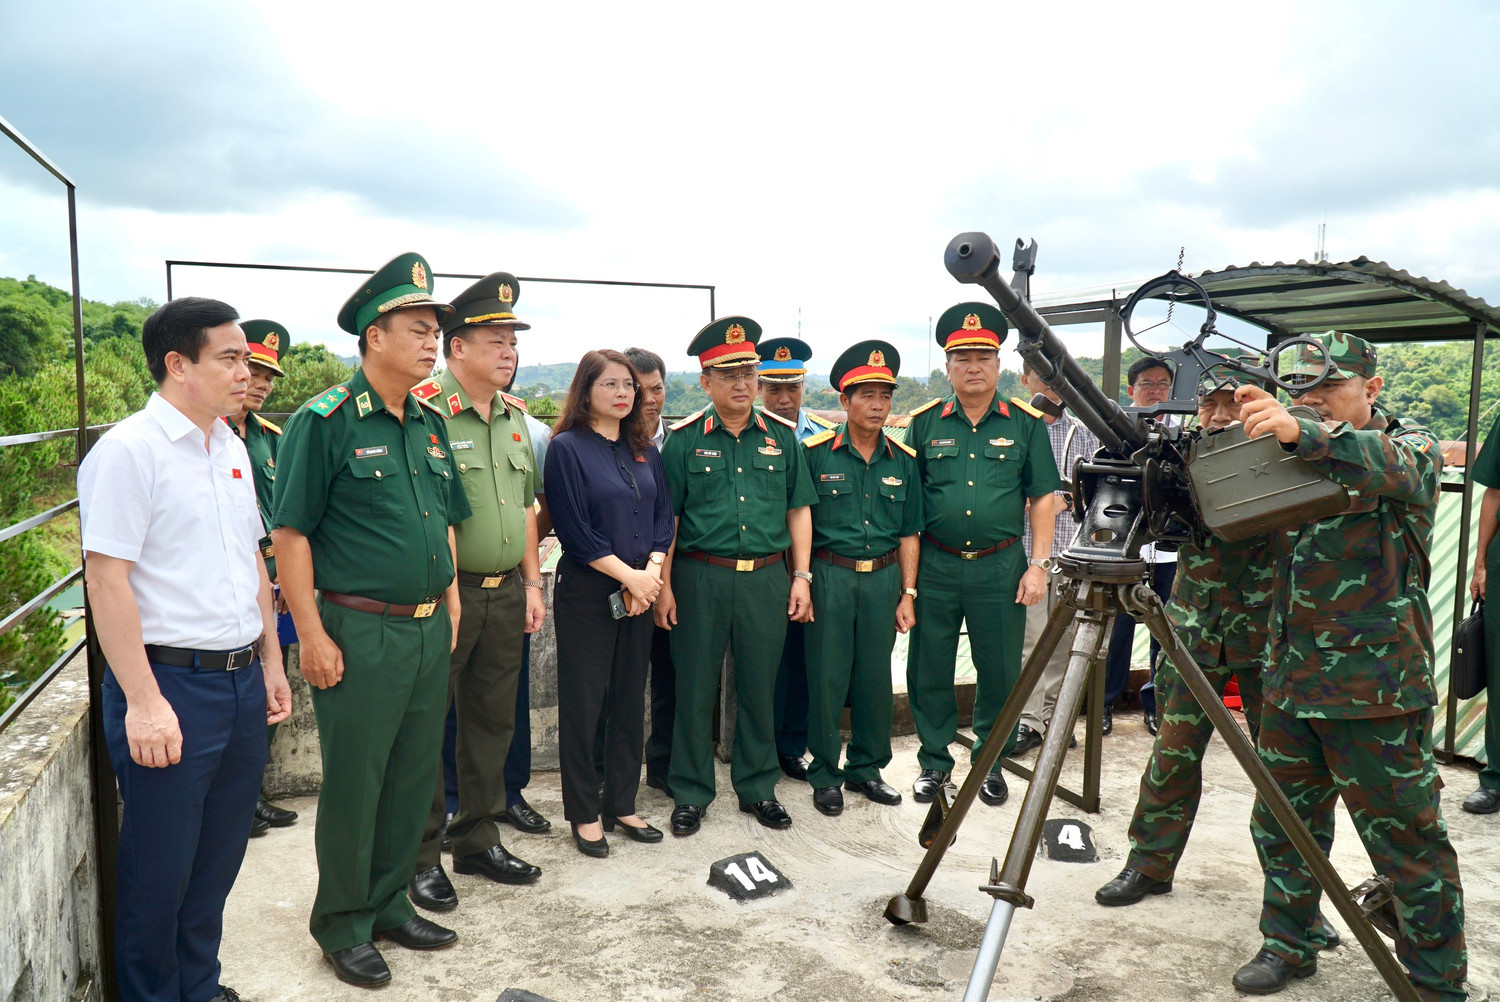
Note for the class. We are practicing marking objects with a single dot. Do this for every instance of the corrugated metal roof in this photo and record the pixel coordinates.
(1370, 298)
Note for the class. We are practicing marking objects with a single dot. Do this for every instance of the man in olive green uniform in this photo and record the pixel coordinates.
(1485, 584)
(499, 582)
(865, 549)
(267, 340)
(739, 486)
(1349, 693)
(980, 459)
(365, 500)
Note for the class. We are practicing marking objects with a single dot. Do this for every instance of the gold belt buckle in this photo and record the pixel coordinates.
(864, 566)
(424, 610)
(744, 565)
(493, 582)
(968, 554)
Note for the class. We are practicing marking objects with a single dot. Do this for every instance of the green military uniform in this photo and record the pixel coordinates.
(499, 473)
(374, 495)
(865, 508)
(1349, 693)
(731, 494)
(1487, 472)
(975, 483)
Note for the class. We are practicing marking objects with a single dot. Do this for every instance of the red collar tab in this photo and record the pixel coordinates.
(947, 409)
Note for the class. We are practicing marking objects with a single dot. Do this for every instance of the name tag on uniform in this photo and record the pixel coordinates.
(1001, 441)
(891, 481)
(374, 450)
(463, 443)
(769, 450)
(711, 453)
(830, 476)
(944, 441)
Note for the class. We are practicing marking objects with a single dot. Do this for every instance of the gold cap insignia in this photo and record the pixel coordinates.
(419, 276)
(877, 358)
(272, 341)
(735, 334)
(971, 322)
(507, 295)
(783, 354)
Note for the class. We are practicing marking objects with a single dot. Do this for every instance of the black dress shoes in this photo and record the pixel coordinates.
(361, 966)
(276, 817)
(769, 813)
(829, 800)
(416, 933)
(258, 826)
(686, 819)
(226, 995)
(1268, 974)
(993, 790)
(794, 766)
(1153, 724)
(877, 790)
(1483, 801)
(525, 819)
(1109, 720)
(1026, 739)
(431, 889)
(597, 848)
(645, 833)
(499, 865)
(926, 786)
(1129, 887)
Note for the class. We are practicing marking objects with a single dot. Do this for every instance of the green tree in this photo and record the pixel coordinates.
(310, 369)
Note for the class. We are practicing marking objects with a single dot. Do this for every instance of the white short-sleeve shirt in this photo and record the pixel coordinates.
(149, 492)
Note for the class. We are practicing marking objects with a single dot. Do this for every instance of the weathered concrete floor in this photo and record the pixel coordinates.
(642, 924)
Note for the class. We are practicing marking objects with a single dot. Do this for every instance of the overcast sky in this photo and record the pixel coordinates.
(800, 157)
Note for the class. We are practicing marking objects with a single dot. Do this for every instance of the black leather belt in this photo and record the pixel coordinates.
(484, 580)
(186, 657)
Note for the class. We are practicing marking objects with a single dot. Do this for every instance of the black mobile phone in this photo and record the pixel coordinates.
(617, 604)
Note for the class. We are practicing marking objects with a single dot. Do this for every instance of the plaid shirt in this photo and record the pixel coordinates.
(1071, 441)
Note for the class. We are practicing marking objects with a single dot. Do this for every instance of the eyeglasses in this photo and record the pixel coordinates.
(740, 376)
(611, 385)
(1155, 384)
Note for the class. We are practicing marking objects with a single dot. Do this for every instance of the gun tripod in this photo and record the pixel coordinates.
(1097, 592)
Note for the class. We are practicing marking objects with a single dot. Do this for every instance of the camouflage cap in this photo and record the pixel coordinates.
(1350, 356)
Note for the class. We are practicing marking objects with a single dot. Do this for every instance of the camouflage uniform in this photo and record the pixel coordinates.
(1220, 606)
(1349, 693)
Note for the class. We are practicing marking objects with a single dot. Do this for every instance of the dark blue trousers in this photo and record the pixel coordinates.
(1122, 639)
(184, 829)
(791, 695)
(518, 762)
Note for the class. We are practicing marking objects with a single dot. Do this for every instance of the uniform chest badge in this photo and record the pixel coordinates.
(830, 476)
(368, 452)
(769, 450)
(436, 452)
(463, 443)
(710, 453)
(891, 481)
(940, 442)
(1001, 441)
(770, 440)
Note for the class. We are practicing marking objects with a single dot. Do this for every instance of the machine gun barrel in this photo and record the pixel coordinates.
(974, 258)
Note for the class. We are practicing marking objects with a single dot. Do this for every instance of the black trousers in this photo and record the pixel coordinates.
(663, 705)
(601, 670)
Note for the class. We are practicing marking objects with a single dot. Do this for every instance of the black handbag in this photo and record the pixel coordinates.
(1466, 670)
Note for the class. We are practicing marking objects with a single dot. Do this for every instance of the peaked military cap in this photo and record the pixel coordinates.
(726, 342)
(971, 325)
(489, 302)
(401, 283)
(1350, 355)
(784, 359)
(866, 362)
(268, 340)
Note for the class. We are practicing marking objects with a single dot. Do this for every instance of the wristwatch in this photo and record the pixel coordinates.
(910, 592)
(531, 584)
(1045, 564)
(804, 575)
(658, 558)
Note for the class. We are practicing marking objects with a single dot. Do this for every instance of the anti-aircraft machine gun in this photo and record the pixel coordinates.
(1150, 482)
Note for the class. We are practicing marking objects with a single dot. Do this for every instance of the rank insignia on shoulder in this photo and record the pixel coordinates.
(513, 401)
(902, 446)
(891, 481)
(687, 420)
(777, 417)
(436, 452)
(711, 453)
(370, 451)
(769, 450)
(1026, 406)
(927, 406)
(329, 402)
(274, 429)
(462, 443)
(427, 389)
(818, 439)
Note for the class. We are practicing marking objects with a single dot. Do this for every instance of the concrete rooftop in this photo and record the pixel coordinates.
(643, 924)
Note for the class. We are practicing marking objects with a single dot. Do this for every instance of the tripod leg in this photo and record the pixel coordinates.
(1154, 616)
(908, 906)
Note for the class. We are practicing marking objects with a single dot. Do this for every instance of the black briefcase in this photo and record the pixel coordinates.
(1466, 670)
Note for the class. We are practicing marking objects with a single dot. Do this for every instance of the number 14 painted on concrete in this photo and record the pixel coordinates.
(758, 872)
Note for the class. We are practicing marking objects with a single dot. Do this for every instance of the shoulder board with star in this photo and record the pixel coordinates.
(820, 422)
(274, 429)
(328, 401)
(427, 392)
(687, 420)
(902, 446)
(1025, 405)
(515, 402)
(812, 441)
(777, 417)
(929, 405)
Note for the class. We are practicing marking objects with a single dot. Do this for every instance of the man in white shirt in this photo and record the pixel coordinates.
(182, 610)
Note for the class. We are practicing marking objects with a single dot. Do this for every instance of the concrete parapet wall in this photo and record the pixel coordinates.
(49, 888)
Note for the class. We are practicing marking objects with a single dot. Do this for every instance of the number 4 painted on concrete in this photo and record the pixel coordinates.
(1070, 836)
